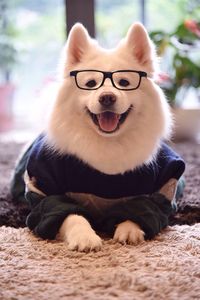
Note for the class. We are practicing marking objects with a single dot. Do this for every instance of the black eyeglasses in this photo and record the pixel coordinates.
(126, 80)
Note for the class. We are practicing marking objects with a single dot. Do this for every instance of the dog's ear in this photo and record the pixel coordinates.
(77, 43)
(142, 48)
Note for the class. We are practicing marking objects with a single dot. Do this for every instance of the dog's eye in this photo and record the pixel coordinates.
(91, 83)
(123, 82)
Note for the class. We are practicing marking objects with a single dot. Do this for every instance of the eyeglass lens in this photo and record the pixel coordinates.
(126, 80)
(89, 79)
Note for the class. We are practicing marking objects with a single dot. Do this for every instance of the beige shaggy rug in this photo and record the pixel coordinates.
(165, 268)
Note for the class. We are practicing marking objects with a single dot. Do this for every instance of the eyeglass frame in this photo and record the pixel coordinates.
(108, 75)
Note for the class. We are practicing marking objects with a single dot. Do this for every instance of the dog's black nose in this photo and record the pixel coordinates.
(107, 99)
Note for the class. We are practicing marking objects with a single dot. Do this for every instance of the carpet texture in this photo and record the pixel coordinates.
(14, 214)
(165, 268)
(11, 214)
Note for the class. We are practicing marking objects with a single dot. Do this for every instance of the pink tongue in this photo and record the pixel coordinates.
(108, 121)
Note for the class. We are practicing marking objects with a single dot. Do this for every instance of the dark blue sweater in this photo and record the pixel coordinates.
(57, 175)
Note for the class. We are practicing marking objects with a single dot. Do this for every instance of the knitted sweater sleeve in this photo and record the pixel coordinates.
(45, 168)
(168, 165)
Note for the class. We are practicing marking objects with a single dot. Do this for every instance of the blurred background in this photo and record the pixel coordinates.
(32, 34)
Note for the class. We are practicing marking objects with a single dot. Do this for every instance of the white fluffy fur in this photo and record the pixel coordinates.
(79, 235)
(71, 130)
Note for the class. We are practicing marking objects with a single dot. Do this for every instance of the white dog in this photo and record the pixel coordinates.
(106, 128)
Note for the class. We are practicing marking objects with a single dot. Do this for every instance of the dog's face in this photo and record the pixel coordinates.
(112, 120)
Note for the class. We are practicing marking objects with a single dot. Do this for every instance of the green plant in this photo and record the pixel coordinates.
(180, 50)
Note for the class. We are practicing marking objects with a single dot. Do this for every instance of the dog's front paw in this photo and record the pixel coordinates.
(128, 232)
(79, 235)
(83, 239)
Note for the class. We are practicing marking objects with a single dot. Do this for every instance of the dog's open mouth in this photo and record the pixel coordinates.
(108, 121)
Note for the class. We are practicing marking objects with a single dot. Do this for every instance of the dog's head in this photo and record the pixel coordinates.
(109, 112)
